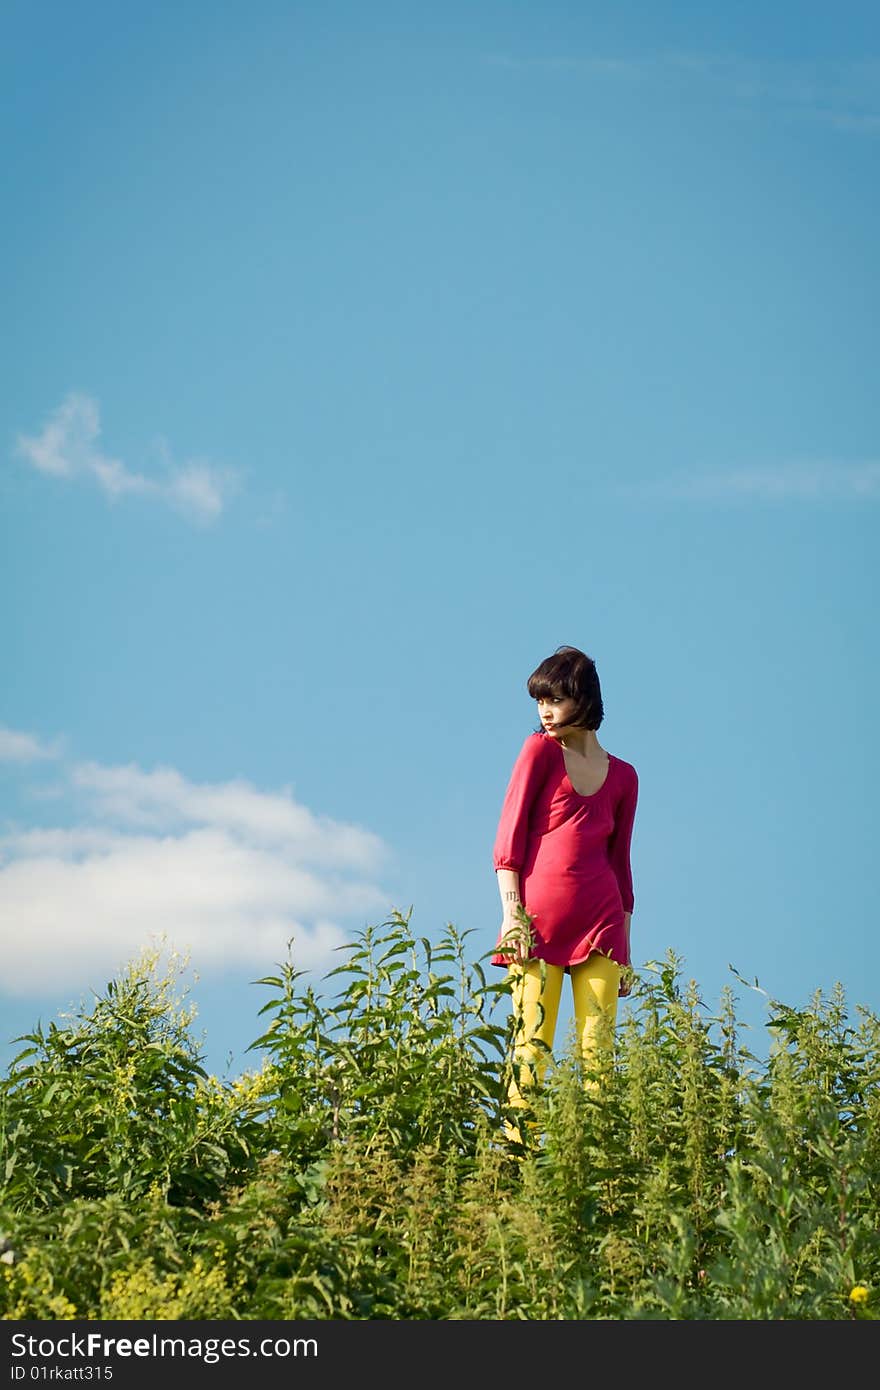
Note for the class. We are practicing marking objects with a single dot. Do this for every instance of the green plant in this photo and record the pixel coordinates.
(405, 1051)
(117, 1100)
(362, 1171)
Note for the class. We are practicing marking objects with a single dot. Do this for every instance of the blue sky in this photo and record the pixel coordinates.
(356, 357)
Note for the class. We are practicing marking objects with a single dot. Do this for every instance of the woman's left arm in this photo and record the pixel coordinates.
(621, 840)
(626, 977)
(619, 855)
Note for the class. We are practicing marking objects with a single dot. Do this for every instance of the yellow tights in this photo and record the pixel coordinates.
(536, 992)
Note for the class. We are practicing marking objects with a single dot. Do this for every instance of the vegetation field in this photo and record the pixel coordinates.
(360, 1170)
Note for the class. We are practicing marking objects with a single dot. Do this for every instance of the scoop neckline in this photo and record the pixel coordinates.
(586, 796)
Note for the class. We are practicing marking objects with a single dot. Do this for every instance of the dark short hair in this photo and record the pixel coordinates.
(569, 672)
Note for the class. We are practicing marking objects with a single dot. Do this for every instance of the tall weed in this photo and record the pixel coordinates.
(362, 1171)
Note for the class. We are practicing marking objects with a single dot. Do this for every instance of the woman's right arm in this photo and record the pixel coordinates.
(511, 838)
(512, 927)
(508, 886)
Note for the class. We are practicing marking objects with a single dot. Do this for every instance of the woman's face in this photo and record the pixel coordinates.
(555, 712)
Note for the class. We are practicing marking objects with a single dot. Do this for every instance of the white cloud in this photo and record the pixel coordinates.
(817, 481)
(198, 489)
(165, 798)
(18, 747)
(223, 873)
(842, 94)
(67, 447)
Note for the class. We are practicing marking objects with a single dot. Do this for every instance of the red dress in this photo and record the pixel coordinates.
(572, 854)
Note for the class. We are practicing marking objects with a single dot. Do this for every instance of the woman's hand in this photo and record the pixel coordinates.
(627, 975)
(517, 936)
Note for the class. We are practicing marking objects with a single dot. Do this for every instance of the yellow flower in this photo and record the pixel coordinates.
(858, 1294)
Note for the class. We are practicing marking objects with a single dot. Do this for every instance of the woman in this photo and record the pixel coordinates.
(562, 859)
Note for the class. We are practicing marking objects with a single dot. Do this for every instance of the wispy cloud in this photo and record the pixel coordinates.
(817, 481)
(67, 447)
(164, 798)
(223, 872)
(583, 65)
(19, 747)
(842, 94)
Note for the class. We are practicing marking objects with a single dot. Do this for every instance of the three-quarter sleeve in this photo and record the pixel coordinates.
(525, 782)
(621, 838)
